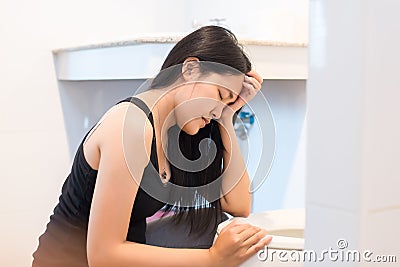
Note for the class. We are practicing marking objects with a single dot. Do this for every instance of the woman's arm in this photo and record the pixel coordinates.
(236, 198)
(236, 182)
(121, 167)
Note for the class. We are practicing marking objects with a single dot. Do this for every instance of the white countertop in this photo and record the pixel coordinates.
(170, 40)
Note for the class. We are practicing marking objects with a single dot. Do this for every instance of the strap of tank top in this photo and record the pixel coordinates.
(138, 102)
(143, 106)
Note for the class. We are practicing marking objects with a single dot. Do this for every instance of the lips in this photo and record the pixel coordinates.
(207, 121)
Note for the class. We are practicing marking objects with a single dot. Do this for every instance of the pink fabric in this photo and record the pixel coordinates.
(158, 215)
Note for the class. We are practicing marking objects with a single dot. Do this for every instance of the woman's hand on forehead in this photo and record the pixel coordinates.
(251, 86)
(255, 75)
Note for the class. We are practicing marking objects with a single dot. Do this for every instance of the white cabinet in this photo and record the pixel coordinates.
(142, 58)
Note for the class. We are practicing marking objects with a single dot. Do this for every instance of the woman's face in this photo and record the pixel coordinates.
(197, 102)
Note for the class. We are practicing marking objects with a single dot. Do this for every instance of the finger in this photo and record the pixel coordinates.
(258, 246)
(248, 234)
(255, 75)
(247, 90)
(256, 84)
(239, 228)
(235, 222)
(247, 252)
(255, 237)
(250, 86)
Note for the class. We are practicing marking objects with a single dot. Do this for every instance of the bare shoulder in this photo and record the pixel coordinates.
(128, 122)
(124, 128)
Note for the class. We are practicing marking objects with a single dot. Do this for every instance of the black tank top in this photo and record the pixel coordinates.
(64, 241)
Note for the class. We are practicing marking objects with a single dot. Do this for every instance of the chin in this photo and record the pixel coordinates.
(191, 130)
(191, 127)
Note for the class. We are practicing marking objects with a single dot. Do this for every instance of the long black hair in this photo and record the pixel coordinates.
(208, 44)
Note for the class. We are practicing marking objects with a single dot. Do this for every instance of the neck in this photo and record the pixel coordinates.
(164, 107)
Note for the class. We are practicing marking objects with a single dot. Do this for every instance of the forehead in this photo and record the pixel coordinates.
(231, 82)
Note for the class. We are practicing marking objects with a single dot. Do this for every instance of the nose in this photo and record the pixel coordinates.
(217, 111)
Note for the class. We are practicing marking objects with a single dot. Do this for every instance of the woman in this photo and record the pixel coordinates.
(100, 219)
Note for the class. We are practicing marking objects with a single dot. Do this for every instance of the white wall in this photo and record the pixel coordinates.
(353, 131)
(35, 159)
(284, 187)
(280, 20)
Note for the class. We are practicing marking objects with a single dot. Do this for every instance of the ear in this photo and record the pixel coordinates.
(191, 69)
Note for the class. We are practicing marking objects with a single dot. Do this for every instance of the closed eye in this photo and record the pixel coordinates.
(230, 97)
(220, 96)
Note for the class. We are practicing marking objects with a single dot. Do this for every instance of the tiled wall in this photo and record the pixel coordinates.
(352, 141)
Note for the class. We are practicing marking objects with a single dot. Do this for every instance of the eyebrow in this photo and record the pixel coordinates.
(231, 97)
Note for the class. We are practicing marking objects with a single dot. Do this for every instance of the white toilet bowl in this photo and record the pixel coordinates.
(287, 229)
